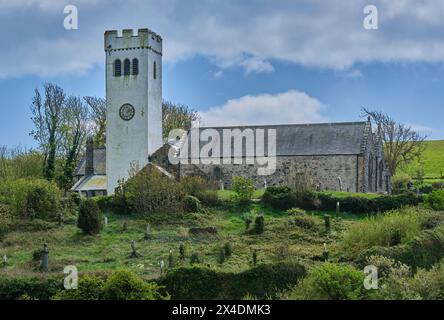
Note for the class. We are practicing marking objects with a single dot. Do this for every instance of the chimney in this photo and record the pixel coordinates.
(89, 165)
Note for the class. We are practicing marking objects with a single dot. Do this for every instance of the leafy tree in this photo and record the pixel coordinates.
(97, 112)
(177, 116)
(47, 116)
(74, 132)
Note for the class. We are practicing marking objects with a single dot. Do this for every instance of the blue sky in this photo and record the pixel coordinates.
(254, 62)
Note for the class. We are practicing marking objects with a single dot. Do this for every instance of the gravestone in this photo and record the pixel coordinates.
(45, 258)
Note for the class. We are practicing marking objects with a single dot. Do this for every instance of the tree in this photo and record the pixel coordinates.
(401, 143)
(97, 112)
(177, 116)
(47, 116)
(74, 131)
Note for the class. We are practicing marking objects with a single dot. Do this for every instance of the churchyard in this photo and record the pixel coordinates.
(277, 243)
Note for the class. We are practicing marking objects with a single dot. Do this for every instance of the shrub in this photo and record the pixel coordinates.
(5, 219)
(284, 199)
(435, 200)
(118, 285)
(296, 212)
(422, 251)
(305, 222)
(264, 281)
(34, 288)
(194, 259)
(392, 228)
(31, 198)
(399, 182)
(243, 188)
(331, 282)
(150, 191)
(193, 185)
(125, 285)
(228, 250)
(259, 224)
(209, 198)
(192, 204)
(90, 219)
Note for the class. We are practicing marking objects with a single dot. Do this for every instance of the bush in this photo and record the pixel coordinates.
(31, 198)
(34, 288)
(5, 219)
(259, 224)
(305, 222)
(243, 188)
(90, 218)
(125, 285)
(209, 198)
(284, 199)
(331, 282)
(296, 212)
(192, 204)
(399, 183)
(390, 229)
(119, 285)
(228, 250)
(435, 200)
(193, 185)
(150, 191)
(423, 251)
(264, 281)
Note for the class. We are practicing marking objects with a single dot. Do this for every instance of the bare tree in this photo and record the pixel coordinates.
(98, 115)
(177, 117)
(401, 143)
(74, 131)
(47, 116)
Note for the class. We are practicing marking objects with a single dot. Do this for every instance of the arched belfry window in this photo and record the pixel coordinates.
(155, 70)
(135, 67)
(117, 68)
(126, 67)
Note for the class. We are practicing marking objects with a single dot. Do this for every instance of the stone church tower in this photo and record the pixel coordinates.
(133, 101)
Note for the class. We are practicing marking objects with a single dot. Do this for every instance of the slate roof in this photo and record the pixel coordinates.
(90, 183)
(341, 138)
(99, 163)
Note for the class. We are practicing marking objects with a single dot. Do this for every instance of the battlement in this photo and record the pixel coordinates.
(145, 39)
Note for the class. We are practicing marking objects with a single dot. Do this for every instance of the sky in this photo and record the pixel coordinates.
(238, 62)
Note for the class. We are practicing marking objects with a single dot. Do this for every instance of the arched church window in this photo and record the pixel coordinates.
(126, 67)
(155, 70)
(135, 67)
(117, 68)
(381, 171)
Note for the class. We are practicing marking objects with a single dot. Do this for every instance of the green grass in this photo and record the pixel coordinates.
(111, 249)
(351, 194)
(432, 161)
(228, 194)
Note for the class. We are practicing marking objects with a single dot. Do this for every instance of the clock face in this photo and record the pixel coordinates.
(126, 112)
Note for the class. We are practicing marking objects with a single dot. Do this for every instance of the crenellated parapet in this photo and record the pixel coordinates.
(144, 39)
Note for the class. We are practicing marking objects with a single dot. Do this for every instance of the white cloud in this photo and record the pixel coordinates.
(284, 108)
(421, 128)
(231, 33)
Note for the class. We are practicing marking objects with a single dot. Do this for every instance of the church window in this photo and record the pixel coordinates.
(117, 68)
(135, 67)
(126, 67)
(155, 70)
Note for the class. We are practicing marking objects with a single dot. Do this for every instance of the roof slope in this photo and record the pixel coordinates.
(99, 163)
(343, 138)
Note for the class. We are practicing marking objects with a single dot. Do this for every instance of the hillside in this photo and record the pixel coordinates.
(432, 161)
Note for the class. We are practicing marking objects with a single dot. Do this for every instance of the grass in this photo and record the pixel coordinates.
(432, 162)
(229, 194)
(351, 194)
(111, 249)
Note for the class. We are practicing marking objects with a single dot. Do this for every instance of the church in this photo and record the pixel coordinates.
(346, 156)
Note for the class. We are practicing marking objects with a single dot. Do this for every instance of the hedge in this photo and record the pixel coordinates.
(34, 288)
(421, 252)
(282, 198)
(263, 281)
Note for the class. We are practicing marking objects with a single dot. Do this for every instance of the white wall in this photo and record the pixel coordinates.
(132, 141)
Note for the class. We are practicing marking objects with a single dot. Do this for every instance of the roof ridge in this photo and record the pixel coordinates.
(285, 125)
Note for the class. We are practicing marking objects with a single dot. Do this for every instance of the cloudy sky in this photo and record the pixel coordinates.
(238, 62)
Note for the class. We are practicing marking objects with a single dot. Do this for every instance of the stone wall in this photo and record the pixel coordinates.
(323, 170)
